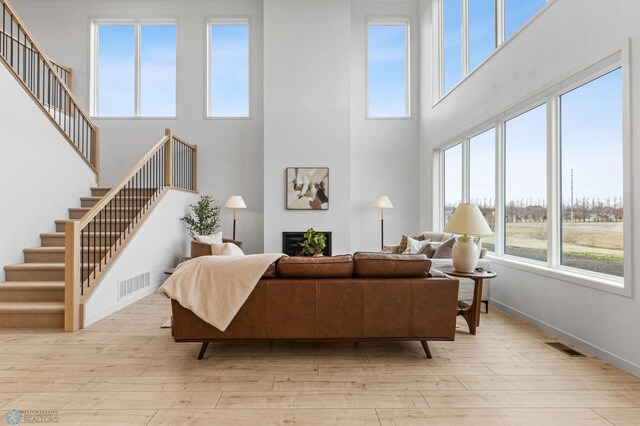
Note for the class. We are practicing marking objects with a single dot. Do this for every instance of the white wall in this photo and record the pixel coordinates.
(41, 175)
(569, 36)
(384, 152)
(306, 113)
(157, 245)
(229, 151)
(314, 102)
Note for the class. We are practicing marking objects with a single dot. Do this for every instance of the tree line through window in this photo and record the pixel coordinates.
(590, 163)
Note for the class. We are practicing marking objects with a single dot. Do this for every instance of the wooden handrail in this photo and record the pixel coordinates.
(23, 44)
(49, 84)
(123, 182)
(91, 242)
(185, 142)
(45, 58)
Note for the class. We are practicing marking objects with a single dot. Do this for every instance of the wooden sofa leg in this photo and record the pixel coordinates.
(203, 349)
(425, 346)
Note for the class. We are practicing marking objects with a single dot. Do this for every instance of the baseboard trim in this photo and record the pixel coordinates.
(604, 355)
(121, 304)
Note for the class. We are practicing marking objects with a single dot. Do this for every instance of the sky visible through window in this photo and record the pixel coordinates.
(229, 68)
(482, 39)
(117, 70)
(158, 71)
(452, 43)
(518, 12)
(387, 70)
(591, 123)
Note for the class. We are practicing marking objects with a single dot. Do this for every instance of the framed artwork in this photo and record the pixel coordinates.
(307, 188)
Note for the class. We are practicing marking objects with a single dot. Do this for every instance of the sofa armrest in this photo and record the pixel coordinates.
(483, 253)
(391, 249)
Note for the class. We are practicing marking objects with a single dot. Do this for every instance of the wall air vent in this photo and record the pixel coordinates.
(565, 349)
(133, 284)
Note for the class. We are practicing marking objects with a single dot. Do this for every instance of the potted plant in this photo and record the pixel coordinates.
(207, 217)
(314, 243)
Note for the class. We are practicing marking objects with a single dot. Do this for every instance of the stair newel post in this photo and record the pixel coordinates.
(168, 156)
(194, 168)
(72, 276)
(95, 152)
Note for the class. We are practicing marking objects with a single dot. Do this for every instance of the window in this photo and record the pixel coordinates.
(482, 31)
(526, 185)
(388, 71)
(482, 179)
(452, 43)
(518, 12)
(134, 70)
(228, 69)
(452, 180)
(592, 207)
(469, 33)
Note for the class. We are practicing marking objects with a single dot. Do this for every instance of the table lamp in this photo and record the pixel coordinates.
(235, 202)
(382, 202)
(467, 220)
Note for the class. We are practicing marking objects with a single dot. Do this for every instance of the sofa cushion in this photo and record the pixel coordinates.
(271, 271)
(436, 236)
(384, 265)
(414, 246)
(445, 250)
(316, 267)
(210, 239)
(430, 248)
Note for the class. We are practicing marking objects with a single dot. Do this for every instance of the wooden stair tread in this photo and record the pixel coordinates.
(32, 308)
(106, 220)
(62, 234)
(44, 250)
(86, 209)
(55, 249)
(31, 285)
(34, 266)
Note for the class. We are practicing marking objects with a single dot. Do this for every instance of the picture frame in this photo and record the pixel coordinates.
(307, 188)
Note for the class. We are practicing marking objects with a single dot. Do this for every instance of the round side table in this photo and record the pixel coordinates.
(471, 313)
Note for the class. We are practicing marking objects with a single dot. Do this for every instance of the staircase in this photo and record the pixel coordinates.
(56, 279)
(33, 294)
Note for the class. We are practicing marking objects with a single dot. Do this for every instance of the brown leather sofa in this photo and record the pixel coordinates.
(367, 296)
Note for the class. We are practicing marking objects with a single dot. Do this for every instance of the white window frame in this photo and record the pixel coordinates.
(227, 20)
(94, 69)
(551, 97)
(439, 91)
(391, 21)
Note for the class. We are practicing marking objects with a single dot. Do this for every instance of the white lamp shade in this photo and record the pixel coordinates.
(235, 202)
(468, 219)
(383, 202)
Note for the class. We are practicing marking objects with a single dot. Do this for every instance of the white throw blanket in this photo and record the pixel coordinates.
(215, 287)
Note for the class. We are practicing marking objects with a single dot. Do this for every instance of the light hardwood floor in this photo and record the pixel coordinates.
(126, 370)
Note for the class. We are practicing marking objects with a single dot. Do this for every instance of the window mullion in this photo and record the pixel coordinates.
(464, 33)
(500, 21)
(500, 198)
(465, 171)
(554, 192)
(137, 108)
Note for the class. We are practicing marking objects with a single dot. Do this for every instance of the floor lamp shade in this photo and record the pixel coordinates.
(235, 202)
(382, 202)
(467, 220)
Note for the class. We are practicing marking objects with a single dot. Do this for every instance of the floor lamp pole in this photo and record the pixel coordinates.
(382, 229)
(234, 224)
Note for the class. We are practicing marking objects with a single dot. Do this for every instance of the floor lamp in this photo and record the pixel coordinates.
(382, 202)
(235, 202)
